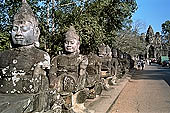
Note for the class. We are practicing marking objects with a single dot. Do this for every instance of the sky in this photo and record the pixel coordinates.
(152, 12)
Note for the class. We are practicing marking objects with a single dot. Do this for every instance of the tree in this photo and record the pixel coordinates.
(166, 31)
(96, 21)
(4, 41)
(129, 41)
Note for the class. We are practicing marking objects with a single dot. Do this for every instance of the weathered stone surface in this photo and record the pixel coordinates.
(25, 103)
(68, 74)
(66, 68)
(115, 64)
(20, 71)
(93, 69)
(14, 103)
(24, 85)
(93, 80)
(108, 67)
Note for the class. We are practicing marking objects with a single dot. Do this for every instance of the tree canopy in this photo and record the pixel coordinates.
(96, 21)
(166, 31)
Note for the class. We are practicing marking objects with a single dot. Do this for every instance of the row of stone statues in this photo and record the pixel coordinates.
(31, 83)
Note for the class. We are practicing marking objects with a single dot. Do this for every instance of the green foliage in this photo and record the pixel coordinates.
(4, 41)
(130, 42)
(96, 21)
(112, 14)
(166, 27)
(166, 31)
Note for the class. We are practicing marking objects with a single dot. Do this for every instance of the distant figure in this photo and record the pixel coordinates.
(142, 64)
(139, 64)
(150, 61)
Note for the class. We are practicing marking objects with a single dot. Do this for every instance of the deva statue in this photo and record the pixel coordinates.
(23, 68)
(93, 81)
(108, 67)
(68, 74)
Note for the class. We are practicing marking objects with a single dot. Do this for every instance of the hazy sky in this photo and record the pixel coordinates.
(152, 12)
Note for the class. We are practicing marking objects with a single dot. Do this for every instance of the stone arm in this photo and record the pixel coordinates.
(82, 72)
(40, 73)
(52, 73)
(114, 63)
(98, 65)
(42, 65)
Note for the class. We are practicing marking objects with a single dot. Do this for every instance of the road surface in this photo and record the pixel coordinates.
(147, 92)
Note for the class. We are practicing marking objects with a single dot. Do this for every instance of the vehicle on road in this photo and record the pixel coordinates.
(165, 63)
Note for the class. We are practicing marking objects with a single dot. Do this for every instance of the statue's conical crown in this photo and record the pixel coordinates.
(25, 13)
(71, 34)
(108, 50)
(102, 47)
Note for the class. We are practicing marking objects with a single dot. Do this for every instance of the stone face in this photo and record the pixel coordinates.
(68, 71)
(72, 42)
(114, 53)
(150, 35)
(25, 29)
(102, 50)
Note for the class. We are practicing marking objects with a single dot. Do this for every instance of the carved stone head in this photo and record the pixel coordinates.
(108, 51)
(114, 53)
(102, 50)
(25, 27)
(72, 42)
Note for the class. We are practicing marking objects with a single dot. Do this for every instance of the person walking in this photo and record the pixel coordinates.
(139, 64)
(142, 64)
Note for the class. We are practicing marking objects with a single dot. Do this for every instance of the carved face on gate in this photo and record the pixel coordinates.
(71, 45)
(24, 33)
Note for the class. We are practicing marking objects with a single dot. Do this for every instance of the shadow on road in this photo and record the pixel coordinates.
(153, 72)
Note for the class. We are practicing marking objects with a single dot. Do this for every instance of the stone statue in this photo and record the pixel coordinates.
(68, 73)
(126, 61)
(107, 69)
(23, 80)
(115, 56)
(115, 64)
(102, 50)
(121, 66)
(94, 83)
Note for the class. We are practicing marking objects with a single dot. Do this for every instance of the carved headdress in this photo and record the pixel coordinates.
(102, 49)
(108, 50)
(114, 52)
(25, 13)
(71, 34)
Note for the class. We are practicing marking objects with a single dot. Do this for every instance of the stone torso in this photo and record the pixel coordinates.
(19, 71)
(94, 64)
(67, 68)
(106, 62)
(93, 69)
(68, 64)
(106, 66)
